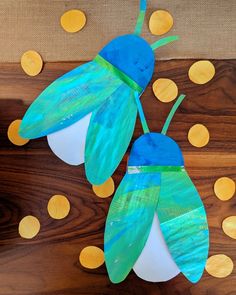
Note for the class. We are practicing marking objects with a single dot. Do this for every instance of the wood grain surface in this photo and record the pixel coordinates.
(30, 175)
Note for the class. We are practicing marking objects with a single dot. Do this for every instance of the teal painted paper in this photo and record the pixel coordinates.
(131, 55)
(68, 99)
(182, 220)
(183, 223)
(164, 41)
(179, 208)
(129, 222)
(105, 87)
(171, 113)
(141, 114)
(151, 169)
(140, 20)
(110, 131)
(181, 213)
(126, 79)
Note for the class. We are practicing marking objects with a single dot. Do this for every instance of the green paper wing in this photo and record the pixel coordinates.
(110, 131)
(129, 222)
(183, 223)
(68, 99)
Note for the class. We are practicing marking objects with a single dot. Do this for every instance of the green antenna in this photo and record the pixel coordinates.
(140, 20)
(171, 113)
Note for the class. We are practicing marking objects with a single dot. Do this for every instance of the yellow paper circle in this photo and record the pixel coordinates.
(58, 207)
(165, 89)
(224, 188)
(219, 266)
(29, 227)
(201, 72)
(229, 226)
(104, 190)
(31, 63)
(73, 20)
(91, 257)
(161, 21)
(198, 135)
(13, 133)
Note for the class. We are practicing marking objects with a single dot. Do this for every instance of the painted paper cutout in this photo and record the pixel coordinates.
(91, 257)
(156, 182)
(229, 226)
(129, 222)
(183, 223)
(29, 227)
(105, 87)
(160, 22)
(13, 134)
(109, 135)
(104, 190)
(73, 20)
(198, 135)
(201, 72)
(224, 188)
(31, 62)
(58, 207)
(165, 89)
(219, 266)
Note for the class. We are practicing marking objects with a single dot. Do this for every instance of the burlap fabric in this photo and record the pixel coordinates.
(207, 28)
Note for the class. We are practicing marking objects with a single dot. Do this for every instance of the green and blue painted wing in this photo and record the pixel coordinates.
(129, 222)
(183, 223)
(68, 99)
(110, 131)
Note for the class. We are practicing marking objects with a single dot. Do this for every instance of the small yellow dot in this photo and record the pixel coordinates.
(161, 21)
(201, 72)
(219, 266)
(58, 207)
(229, 226)
(73, 20)
(198, 135)
(165, 89)
(29, 227)
(13, 134)
(31, 63)
(104, 190)
(224, 188)
(91, 257)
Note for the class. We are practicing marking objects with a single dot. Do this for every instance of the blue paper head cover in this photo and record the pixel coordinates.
(155, 149)
(133, 56)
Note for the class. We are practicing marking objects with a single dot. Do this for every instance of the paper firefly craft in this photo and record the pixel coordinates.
(89, 114)
(156, 223)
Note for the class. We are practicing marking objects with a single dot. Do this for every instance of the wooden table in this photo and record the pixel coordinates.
(30, 175)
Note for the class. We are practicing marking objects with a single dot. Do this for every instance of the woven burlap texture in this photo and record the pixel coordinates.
(207, 28)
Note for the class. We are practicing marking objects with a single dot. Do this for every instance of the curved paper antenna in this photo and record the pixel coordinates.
(171, 113)
(140, 20)
(164, 41)
(141, 114)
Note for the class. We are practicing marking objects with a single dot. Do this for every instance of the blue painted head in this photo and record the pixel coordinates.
(155, 149)
(133, 56)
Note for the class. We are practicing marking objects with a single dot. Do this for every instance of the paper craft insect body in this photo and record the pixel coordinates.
(89, 114)
(156, 223)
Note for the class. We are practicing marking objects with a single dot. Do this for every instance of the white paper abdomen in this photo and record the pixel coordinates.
(155, 263)
(68, 144)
